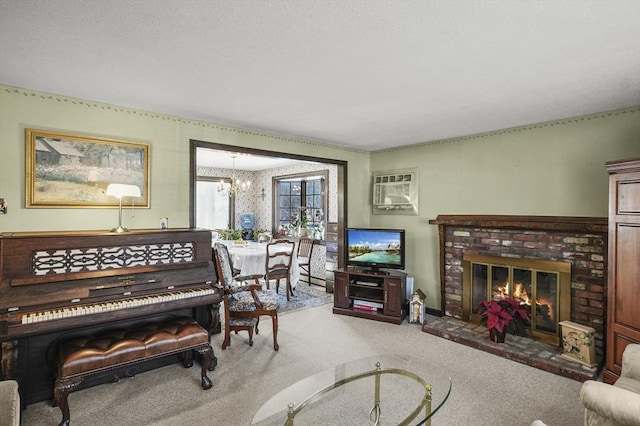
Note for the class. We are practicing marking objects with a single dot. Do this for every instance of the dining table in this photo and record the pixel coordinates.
(250, 259)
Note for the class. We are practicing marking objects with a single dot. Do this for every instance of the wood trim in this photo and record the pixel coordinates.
(532, 223)
(342, 194)
(623, 166)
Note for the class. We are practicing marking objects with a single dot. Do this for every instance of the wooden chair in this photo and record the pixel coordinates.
(244, 304)
(278, 263)
(264, 237)
(305, 251)
(223, 234)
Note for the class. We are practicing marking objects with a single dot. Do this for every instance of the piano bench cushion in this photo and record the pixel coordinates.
(94, 353)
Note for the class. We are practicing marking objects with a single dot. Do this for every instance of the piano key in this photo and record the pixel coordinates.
(80, 310)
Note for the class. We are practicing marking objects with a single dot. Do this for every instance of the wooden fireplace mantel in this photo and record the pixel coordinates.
(530, 223)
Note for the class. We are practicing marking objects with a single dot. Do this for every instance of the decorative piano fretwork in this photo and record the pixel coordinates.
(63, 261)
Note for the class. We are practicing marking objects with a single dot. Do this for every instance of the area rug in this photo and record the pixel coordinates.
(304, 296)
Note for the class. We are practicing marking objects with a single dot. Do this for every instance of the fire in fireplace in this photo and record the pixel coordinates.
(543, 286)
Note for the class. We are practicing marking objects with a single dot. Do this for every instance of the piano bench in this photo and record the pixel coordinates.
(83, 357)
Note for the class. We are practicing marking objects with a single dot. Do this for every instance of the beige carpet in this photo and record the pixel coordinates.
(487, 390)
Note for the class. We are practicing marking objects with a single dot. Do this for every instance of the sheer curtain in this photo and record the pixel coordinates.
(212, 209)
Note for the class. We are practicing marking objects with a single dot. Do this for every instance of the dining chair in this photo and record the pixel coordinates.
(278, 260)
(264, 237)
(223, 234)
(305, 251)
(244, 303)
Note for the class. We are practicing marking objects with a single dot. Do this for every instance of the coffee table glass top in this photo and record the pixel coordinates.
(408, 393)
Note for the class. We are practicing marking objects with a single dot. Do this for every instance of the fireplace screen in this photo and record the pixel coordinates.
(544, 287)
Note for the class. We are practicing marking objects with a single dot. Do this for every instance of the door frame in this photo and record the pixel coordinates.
(341, 196)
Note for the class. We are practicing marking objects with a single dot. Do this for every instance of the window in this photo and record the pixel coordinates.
(213, 211)
(299, 199)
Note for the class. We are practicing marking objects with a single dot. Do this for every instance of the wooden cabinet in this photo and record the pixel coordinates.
(377, 296)
(623, 320)
(331, 243)
(341, 291)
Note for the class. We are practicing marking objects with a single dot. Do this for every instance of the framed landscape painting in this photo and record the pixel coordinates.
(65, 170)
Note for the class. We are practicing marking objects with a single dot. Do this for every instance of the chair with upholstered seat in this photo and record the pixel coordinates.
(278, 264)
(9, 403)
(305, 251)
(244, 303)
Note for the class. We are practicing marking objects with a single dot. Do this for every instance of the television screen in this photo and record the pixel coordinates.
(376, 248)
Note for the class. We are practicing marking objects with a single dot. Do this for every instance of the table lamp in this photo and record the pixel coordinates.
(119, 191)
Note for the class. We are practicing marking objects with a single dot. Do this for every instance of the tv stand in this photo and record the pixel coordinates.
(377, 295)
(373, 271)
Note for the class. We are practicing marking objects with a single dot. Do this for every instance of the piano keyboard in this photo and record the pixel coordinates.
(97, 308)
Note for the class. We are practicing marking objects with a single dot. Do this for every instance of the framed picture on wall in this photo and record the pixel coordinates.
(73, 171)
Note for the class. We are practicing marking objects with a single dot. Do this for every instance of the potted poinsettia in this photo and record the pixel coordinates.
(503, 316)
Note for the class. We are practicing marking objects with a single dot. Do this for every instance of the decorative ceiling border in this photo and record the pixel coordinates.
(164, 117)
(595, 116)
(200, 123)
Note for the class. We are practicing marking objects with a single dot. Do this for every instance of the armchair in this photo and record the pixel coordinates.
(243, 303)
(9, 403)
(617, 404)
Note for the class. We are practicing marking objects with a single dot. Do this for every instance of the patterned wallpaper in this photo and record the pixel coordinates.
(252, 201)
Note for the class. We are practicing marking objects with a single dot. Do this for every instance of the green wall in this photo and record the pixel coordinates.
(169, 137)
(550, 169)
(554, 168)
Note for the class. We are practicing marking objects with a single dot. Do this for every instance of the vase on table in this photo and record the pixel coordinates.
(496, 336)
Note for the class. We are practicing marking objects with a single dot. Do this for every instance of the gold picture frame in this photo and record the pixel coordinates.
(73, 171)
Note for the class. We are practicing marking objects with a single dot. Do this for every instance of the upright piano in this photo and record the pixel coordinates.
(56, 285)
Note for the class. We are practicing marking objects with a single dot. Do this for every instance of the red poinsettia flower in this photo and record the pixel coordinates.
(504, 315)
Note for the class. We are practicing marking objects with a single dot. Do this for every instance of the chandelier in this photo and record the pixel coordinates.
(236, 186)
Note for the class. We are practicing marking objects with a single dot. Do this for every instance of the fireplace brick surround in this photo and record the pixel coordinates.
(581, 241)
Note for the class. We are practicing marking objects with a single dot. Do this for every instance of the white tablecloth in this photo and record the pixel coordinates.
(250, 260)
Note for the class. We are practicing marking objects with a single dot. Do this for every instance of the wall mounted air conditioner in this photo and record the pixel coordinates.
(395, 192)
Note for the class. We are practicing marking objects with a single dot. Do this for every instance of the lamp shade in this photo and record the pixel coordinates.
(120, 190)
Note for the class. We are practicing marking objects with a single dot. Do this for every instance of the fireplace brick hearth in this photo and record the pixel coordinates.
(520, 349)
(578, 240)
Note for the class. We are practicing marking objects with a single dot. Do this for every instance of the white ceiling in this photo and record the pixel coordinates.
(362, 74)
(206, 157)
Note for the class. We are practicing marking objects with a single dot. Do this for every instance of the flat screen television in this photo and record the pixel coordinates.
(375, 249)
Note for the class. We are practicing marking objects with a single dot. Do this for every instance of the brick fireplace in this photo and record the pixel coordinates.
(578, 241)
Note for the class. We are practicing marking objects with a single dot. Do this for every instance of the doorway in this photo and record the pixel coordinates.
(264, 193)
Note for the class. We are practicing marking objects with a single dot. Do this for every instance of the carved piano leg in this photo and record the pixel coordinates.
(215, 325)
(61, 392)
(207, 357)
(9, 360)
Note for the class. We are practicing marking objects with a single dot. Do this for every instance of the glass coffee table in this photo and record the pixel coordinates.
(386, 389)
